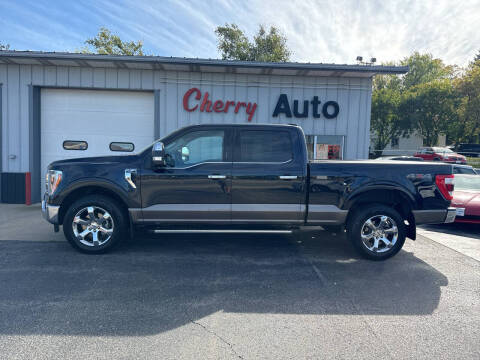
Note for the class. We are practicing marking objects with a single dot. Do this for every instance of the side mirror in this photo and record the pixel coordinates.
(158, 154)
(185, 153)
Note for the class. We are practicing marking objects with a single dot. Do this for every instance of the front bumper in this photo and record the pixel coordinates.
(50, 212)
(434, 216)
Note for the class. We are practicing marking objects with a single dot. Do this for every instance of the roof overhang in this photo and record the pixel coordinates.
(195, 65)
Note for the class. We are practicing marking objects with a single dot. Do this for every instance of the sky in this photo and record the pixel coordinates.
(334, 31)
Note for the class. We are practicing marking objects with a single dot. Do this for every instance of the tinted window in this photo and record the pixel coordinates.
(264, 146)
(463, 170)
(122, 146)
(75, 145)
(195, 147)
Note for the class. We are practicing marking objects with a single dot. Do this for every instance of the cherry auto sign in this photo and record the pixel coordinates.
(194, 100)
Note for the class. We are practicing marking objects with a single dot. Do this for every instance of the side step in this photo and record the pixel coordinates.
(222, 231)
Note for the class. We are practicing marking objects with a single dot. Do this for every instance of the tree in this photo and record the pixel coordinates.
(107, 43)
(4, 47)
(268, 46)
(386, 123)
(423, 69)
(429, 108)
(467, 127)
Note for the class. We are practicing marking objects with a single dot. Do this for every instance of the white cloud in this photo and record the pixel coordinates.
(317, 30)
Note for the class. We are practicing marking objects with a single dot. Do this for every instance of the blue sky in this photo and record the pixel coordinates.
(317, 31)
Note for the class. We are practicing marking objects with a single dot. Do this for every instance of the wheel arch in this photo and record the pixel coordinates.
(89, 189)
(398, 199)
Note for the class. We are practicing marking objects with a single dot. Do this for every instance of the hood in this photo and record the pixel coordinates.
(469, 200)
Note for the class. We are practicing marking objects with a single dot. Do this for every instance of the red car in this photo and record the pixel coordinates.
(466, 198)
(440, 154)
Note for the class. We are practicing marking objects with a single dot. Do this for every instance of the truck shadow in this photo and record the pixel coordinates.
(159, 283)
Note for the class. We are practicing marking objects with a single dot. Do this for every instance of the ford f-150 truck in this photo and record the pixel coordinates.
(243, 177)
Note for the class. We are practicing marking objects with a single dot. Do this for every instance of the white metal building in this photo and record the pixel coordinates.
(59, 105)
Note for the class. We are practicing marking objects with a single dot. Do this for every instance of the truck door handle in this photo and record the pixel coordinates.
(216, 176)
(288, 177)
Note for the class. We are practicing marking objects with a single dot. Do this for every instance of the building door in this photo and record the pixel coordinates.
(268, 177)
(82, 123)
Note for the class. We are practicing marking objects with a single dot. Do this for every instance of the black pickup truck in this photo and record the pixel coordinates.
(243, 177)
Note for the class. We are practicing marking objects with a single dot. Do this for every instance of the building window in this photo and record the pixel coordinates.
(325, 147)
(122, 146)
(75, 145)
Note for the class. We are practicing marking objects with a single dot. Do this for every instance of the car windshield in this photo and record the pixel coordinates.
(442, 150)
(467, 182)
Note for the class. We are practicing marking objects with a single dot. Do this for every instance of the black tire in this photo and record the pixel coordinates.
(118, 224)
(355, 229)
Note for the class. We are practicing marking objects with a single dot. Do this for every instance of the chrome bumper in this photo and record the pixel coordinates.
(434, 216)
(451, 213)
(50, 212)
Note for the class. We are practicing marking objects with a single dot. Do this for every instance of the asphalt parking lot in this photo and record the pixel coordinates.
(233, 296)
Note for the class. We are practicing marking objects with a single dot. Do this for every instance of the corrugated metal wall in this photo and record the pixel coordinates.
(352, 94)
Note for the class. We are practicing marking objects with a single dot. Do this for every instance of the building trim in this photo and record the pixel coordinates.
(34, 135)
(156, 115)
(1, 141)
(190, 64)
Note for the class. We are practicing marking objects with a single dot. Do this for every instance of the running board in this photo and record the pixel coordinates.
(223, 231)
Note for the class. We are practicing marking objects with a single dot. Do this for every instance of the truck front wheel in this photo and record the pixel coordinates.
(94, 224)
(377, 232)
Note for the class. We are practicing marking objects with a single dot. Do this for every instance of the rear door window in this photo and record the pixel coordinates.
(264, 146)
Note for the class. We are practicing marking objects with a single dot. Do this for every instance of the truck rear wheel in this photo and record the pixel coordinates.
(377, 232)
(94, 224)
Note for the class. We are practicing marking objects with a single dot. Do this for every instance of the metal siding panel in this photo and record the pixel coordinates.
(99, 78)
(3, 109)
(135, 79)
(62, 76)
(50, 75)
(341, 122)
(353, 121)
(13, 117)
(37, 75)
(123, 79)
(332, 95)
(364, 154)
(171, 101)
(147, 79)
(25, 83)
(86, 77)
(263, 114)
(74, 77)
(111, 78)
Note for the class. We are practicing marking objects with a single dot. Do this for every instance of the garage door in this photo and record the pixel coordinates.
(81, 123)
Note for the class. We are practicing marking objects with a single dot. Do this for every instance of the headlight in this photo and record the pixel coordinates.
(52, 180)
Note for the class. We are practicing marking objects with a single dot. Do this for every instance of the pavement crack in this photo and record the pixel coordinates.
(218, 337)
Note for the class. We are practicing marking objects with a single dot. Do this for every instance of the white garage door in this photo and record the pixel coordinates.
(95, 119)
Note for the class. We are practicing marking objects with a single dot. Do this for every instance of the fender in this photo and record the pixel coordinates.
(387, 185)
(130, 197)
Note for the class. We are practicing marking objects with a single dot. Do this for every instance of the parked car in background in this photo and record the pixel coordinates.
(464, 169)
(466, 198)
(440, 154)
(400, 157)
(471, 150)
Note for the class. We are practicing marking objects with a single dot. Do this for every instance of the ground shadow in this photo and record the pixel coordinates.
(157, 284)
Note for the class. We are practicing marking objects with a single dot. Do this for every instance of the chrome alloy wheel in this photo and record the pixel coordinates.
(93, 226)
(379, 233)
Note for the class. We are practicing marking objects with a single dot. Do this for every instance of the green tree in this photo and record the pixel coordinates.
(429, 108)
(467, 126)
(4, 47)
(110, 44)
(423, 69)
(268, 46)
(386, 123)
